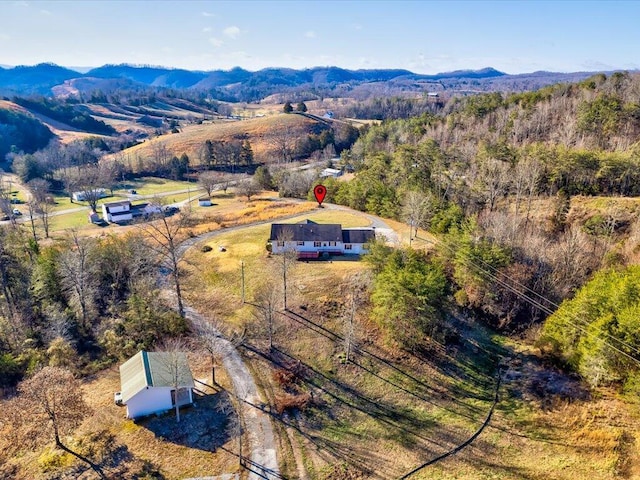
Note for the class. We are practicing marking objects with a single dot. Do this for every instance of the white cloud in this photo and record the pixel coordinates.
(207, 14)
(21, 4)
(310, 34)
(216, 42)
(206, 29)
(232, 31)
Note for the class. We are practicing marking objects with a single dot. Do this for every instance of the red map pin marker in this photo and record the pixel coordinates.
(320, 191)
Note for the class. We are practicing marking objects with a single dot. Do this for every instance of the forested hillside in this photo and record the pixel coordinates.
(504, 182)
(20, 131)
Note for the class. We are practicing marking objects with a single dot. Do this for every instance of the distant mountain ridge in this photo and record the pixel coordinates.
(239, 84)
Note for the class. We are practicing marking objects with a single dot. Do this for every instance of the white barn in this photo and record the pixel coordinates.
(312, 240)
(117, 211)
(148, 382)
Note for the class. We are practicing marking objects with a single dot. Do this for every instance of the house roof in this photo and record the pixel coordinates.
(123, 203)
(153, 369)
(306, 231)
(358, 235)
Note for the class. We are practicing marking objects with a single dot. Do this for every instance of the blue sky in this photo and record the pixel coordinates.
(421, 36)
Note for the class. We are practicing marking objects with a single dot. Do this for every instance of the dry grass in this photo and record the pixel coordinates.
(259, 131)
(526, 439)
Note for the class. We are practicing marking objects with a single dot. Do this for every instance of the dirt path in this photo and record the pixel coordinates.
(262, 462)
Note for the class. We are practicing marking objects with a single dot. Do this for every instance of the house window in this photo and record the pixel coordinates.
(317, 244)
(182, 398)
(300, 244)
(332, 244)
(280, 244)
(347, 246)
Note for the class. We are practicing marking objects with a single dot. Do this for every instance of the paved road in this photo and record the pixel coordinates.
(262, 462)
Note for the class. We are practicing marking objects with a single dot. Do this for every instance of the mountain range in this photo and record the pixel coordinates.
(238, 84)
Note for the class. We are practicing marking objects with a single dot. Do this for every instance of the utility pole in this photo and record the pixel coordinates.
(410, 232)
(350, 332)
(242, 277)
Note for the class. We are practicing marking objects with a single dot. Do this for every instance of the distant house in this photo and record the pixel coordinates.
(329, 114)
(83, 195)
(117, 212)
(313, 240)
(330, 172)
(151, 209)
(147, 382)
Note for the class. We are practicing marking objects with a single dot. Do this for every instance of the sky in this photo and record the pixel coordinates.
(421, 36)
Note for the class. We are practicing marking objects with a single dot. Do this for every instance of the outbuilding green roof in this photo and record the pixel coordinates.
(154, 369)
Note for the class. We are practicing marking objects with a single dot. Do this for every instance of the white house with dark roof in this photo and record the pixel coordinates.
(313, 240)
(148, 380)
(117, 212)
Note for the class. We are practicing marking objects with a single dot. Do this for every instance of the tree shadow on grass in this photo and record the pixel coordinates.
(202, 425)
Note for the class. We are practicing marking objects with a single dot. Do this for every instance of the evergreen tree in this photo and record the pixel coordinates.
(246, 153)
(301, 107)
(287, 108)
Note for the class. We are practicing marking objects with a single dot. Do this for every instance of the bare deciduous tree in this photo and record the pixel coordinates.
(283, 141)
(91, 179)
(416, 209)
(174, 369)
(525, 181)
(266, 301)
(52, 401)
(247, 187)
(492, 181)
(165, 235)
(209, 335)
(286, 259)
(77, 275)
(210, 181)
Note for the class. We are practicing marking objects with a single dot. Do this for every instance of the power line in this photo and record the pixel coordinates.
(539, 305)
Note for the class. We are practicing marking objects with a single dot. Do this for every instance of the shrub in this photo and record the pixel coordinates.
(290, 401)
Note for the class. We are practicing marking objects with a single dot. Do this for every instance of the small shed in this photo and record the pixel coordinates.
(94, 217)
(148, 382)
(204, 202)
